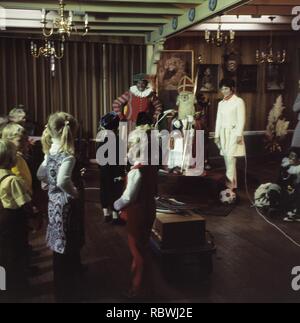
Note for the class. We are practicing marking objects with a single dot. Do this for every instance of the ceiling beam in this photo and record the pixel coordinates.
(37, 34)
(275, 2)
(155, 1)
(36, 15)
(263, 10)
(202, 12)
(242, 27)
(118, 19)
(145, 9)
(17, 23)
(248, 19)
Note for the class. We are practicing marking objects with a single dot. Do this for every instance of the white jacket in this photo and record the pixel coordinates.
(231, 119)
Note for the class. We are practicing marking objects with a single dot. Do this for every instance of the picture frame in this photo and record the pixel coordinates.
(171, 68)
(275, 77)
(247, 78)
(208, 78)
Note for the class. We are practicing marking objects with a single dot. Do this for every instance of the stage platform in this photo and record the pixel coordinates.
(207, 186)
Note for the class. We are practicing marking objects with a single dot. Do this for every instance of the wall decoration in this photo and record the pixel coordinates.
(275, 77)
(192, 14)
(175, 23)
(212, 4)
(161, 30)
(247, 78)
(208, 78)
(231, 61)
(173, 65)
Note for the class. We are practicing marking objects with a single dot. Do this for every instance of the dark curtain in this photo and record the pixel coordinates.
(87, 80)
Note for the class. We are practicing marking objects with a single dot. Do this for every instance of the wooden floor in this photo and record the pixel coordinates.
(253, 261)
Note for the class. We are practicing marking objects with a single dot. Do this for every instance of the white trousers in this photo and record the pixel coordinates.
(231, 172)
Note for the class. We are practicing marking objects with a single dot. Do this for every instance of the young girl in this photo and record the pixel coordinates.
(110, 175)
(138, 203)
(17, 115)
(13, 210)
(65, 228)
(18, 136)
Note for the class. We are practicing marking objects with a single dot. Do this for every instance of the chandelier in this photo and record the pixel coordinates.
(269, 56)
(62, 27)
(48, 50)
(220, 38)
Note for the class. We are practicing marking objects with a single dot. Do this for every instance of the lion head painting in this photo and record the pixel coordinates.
(172, 72)
(171, 69)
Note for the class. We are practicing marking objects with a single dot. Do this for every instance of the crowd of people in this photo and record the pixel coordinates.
(127, 193)
(60, 173)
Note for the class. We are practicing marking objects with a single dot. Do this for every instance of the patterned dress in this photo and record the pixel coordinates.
(65, 228)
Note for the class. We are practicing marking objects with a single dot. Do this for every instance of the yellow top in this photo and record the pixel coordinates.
(22, 170)
(13, 193)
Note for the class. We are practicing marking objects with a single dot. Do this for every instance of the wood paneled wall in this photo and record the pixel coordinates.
(259, 103)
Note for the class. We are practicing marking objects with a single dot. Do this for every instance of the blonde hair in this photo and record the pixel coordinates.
(16, 115)
(3, 123)
(15, 133)
(8, 154)
(61, 126)
(12, 131)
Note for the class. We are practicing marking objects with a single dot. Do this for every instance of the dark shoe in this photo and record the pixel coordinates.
(207, 167)
(292, 217)
(118, 222)
(108, 219)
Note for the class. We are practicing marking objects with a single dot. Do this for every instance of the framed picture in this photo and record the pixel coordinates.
(208, 78)
(275, 77)
(172, 66)
(247, 78)
(231, 62)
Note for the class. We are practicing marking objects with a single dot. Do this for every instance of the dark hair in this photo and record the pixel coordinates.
(227, 83)
(110, 121)
(143, 118)
(295, 150)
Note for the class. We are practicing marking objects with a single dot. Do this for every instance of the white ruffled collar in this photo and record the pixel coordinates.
(141, 94)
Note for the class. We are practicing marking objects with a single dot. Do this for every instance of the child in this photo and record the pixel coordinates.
(17, 115)
(18, 136)
(290, 185)
(110, 175)
(138, 203)
(13, 209)
(65, 231)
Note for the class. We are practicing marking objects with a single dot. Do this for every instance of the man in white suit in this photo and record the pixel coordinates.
(230, 126)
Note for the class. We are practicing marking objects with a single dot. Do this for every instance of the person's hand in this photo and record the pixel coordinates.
(217, 141)
(240, 140)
